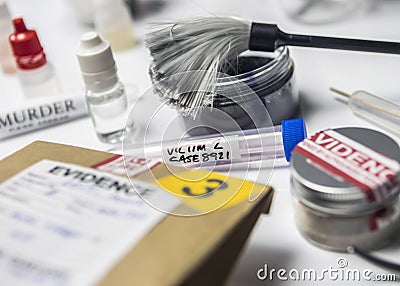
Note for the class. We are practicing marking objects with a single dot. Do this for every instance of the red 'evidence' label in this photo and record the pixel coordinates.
(345, 159)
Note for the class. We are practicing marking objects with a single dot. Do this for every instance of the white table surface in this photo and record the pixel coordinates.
(275, 240)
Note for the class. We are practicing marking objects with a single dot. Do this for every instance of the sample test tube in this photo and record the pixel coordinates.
(262, 144)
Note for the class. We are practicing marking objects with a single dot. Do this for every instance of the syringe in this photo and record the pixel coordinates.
(263, 144)
(374, 109)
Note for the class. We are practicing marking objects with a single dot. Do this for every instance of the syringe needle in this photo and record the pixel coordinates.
(340, 92)
(375, 109)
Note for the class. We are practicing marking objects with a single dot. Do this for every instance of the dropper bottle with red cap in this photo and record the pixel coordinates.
(35, 73)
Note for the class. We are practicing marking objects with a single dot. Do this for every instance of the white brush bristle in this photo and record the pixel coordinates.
(188, 55)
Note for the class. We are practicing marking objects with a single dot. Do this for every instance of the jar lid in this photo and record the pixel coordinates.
(346, 171)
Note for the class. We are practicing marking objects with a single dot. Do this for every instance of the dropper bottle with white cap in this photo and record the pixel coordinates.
(105, 95)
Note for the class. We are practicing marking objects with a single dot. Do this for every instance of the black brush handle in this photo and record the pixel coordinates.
(268, 37)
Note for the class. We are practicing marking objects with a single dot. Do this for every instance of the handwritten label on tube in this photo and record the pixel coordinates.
(202, 151)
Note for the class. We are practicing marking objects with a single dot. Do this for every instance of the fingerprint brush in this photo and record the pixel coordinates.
(212, 44)
(268, 37)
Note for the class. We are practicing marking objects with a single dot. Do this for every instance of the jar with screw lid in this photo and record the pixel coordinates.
(345, 184)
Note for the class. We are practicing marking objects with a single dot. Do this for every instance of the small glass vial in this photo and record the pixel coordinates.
(113, 22)
(36, 75)
(345, 183)
(105, 95)
(6, 60)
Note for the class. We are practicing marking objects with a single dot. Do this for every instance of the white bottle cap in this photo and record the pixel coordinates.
(96, 62)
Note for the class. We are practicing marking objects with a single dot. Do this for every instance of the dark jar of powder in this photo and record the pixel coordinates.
(345, 184)
(270, 77)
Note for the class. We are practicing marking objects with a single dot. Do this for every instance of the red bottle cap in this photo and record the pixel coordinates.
(26, 46)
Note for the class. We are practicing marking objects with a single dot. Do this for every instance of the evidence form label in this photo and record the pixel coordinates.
(63, 224)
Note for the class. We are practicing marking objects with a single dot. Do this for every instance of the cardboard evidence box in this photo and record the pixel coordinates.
(198, 250)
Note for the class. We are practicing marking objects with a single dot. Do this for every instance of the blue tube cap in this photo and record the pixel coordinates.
(293, 132)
